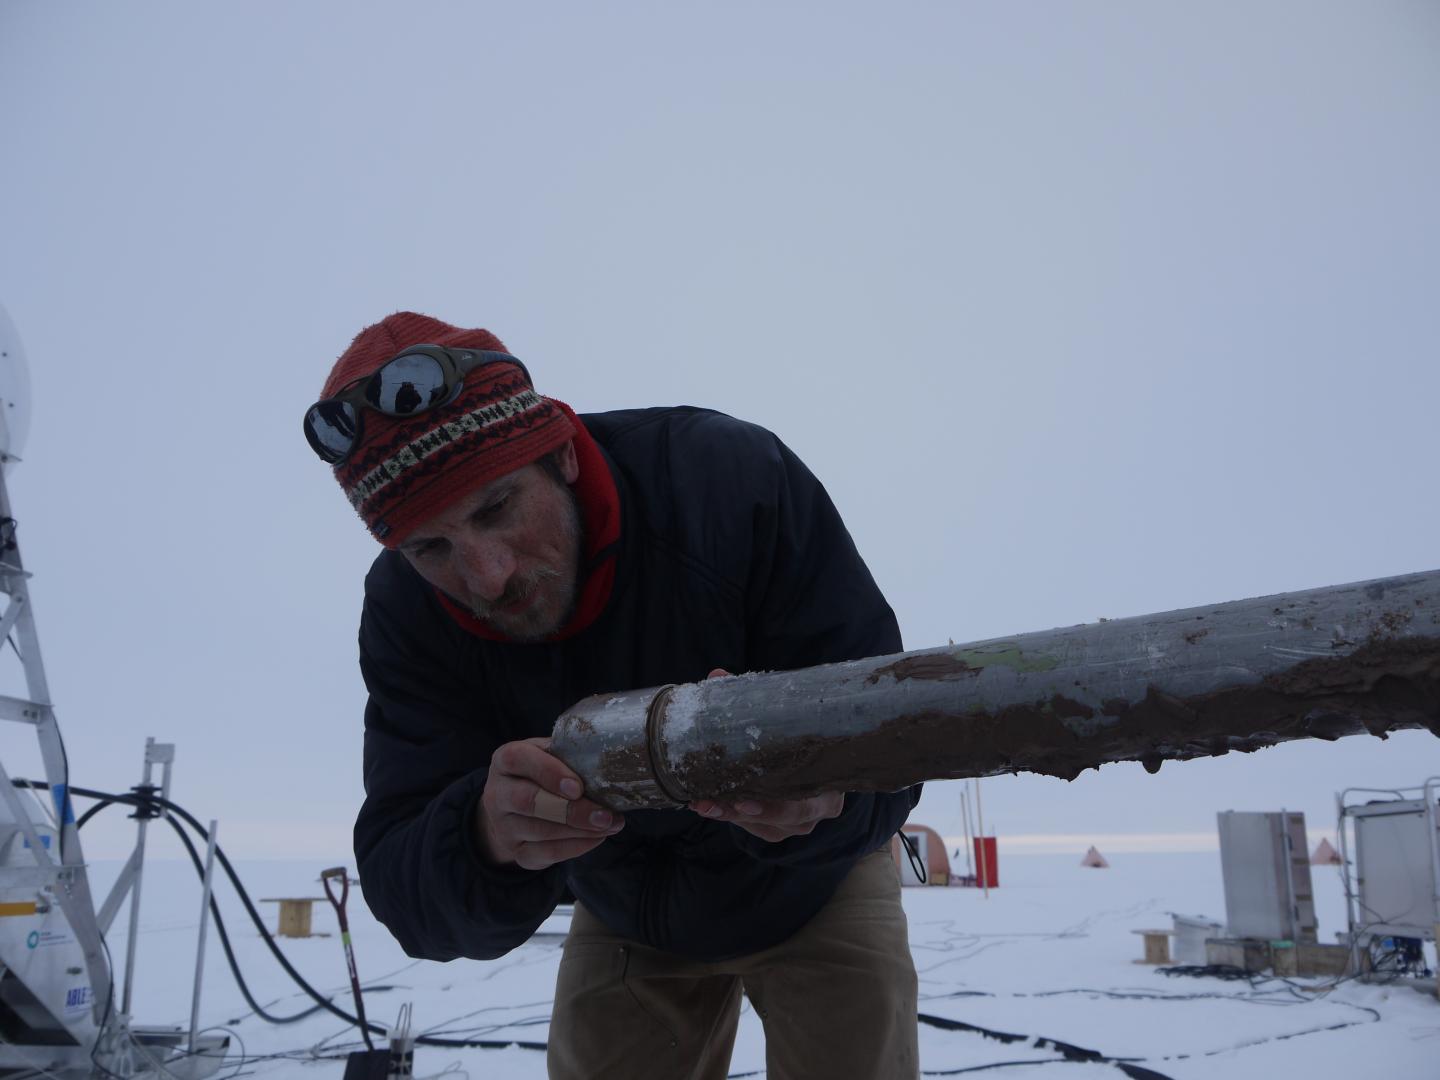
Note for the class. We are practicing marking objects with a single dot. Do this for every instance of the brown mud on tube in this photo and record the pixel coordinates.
(1320, 664)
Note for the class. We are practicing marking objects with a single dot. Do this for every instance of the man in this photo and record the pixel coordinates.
(534, 557)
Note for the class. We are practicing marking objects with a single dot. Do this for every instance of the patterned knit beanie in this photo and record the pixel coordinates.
(404, 470)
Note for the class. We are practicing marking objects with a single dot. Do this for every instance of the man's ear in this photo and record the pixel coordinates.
(569, 462)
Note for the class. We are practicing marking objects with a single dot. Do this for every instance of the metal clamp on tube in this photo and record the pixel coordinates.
(607, 740)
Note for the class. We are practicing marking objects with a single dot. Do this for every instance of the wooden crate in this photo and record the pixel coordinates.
(295, 915)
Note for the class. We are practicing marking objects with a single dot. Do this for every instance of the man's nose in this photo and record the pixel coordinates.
(486, 567)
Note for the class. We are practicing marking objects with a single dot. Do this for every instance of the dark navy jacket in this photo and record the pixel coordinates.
(731, 555)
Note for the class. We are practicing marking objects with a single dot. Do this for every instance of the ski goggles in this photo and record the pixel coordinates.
(421, 378)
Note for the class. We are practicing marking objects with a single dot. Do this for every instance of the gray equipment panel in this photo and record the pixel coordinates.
(1264, 861)
(1395, 877)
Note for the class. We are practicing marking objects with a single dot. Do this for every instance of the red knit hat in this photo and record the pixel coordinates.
(407, 469)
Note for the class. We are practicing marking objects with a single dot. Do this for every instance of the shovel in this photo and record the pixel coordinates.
(370, 1063)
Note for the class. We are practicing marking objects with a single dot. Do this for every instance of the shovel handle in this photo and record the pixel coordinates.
(326, 877)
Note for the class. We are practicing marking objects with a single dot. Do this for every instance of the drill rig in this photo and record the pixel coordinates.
(60, 1015)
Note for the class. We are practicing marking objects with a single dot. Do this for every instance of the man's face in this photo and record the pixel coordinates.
(509, 551)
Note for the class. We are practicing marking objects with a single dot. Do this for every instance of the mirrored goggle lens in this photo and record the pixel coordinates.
(332, 427)
(408, 384)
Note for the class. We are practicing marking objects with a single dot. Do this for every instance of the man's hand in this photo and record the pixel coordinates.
(776, 819)
(532, 813)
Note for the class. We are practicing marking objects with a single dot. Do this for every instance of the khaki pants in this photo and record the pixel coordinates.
(838, 999)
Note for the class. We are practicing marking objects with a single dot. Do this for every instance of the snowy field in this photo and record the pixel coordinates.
(1048, 956)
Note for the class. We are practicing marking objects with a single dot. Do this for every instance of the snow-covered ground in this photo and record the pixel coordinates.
(1049, 954)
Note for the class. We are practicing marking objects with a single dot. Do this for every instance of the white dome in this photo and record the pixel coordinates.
(14, 392)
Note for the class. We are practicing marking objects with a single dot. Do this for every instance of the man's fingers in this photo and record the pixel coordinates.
(776, 820)
(521, 798)
(553, 792)
(577, 813)
(551, 807)
(540, 854)
(778, 812)
(772, 834)
(531, 830)
(544, 819)
(533, 798)
(530, 759)
(828, 805)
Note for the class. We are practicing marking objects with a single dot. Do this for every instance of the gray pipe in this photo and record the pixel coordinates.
(1195, 683)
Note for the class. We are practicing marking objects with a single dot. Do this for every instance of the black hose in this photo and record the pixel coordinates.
(225, 940)
(1067, 1051)
(219, 920)
(148, 801)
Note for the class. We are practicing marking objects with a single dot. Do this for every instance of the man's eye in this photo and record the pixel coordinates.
(492, 509)
(427, 549)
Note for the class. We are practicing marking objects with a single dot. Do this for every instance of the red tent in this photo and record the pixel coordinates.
(932, 853)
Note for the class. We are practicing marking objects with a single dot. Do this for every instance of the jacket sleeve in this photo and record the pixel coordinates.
(426, 759)
(810, 599)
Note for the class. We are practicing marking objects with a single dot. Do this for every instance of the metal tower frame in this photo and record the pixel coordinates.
(65, 877)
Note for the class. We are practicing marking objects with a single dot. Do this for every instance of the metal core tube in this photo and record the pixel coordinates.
(1200, 682)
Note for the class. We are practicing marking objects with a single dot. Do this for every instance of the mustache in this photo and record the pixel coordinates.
(520, 587)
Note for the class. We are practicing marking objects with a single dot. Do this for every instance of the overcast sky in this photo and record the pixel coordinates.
(1078, 310)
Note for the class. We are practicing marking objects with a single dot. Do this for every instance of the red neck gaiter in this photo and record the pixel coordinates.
(600, 511)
